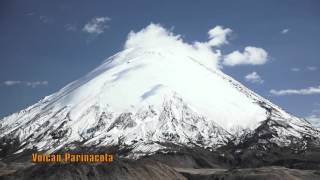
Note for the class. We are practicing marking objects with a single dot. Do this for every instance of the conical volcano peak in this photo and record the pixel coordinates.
(159, 89)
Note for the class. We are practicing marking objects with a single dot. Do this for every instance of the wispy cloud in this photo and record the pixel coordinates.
(284, 31)
(295, 69)
(314, 117)
(311, 68)
(254, 77)
(250, 55)
(96, 25)
(45, 19)
(11, 83)
(32, 84)
(306, 91)
(37, 83)
(70, 27)
(308, 68)
(30, 13)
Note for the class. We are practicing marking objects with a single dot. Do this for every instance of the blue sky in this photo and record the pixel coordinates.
(47, 44)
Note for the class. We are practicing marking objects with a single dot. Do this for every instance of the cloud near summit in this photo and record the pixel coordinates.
(250, 55)
(154, 36)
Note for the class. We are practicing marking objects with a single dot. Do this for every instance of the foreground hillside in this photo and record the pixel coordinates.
(229, 162)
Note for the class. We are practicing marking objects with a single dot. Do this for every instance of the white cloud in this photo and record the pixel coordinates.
(11, 83)
(154, 36)
(36, 83)
(32, 84)
(30, 13)
(311, 68)
(314, 117)
(96, 25)
(306, 91)
(70, 27)
(284, 31)
(254, 77)
(308, 68)
(218, 36)
(251, 55)
(45, 19)
(207, 52)
(295, 69)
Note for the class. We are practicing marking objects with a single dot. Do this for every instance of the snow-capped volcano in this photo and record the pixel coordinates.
(148, 94)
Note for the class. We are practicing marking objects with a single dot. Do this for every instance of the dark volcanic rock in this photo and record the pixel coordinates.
(264, 173)
(118, 170)
(186, 157)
